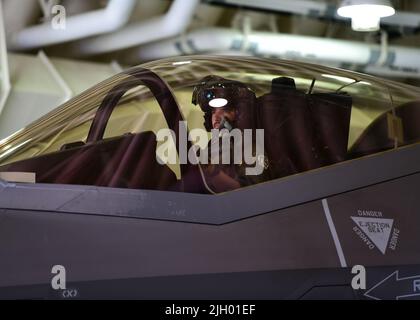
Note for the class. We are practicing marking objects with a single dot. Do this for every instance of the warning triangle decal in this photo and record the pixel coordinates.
(378, 230)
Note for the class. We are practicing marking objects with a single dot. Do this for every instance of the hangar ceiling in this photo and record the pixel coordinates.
(103, 36)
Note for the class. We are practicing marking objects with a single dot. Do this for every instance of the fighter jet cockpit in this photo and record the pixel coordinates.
(211, 125)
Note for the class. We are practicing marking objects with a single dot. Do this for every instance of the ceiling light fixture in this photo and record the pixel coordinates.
(365, 14)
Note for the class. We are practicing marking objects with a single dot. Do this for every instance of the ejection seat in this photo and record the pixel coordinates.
(303, 131)
(128, 161)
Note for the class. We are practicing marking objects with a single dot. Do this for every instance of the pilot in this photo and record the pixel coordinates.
(227, 105)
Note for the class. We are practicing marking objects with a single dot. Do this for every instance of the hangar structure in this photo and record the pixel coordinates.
(89, 88)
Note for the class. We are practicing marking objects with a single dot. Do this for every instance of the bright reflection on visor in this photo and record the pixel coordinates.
(218, 103)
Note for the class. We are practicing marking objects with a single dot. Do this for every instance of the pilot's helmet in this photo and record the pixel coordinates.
(217, 92)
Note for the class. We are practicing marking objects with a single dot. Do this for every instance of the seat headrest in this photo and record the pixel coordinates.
(282, 83)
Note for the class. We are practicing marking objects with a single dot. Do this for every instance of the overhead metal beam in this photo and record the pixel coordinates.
(111, 18)
(316, 9)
